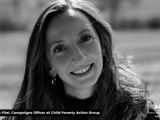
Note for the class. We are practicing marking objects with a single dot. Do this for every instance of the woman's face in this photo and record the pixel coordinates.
(74, 51)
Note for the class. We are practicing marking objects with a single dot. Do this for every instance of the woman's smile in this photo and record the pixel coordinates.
(83, 71)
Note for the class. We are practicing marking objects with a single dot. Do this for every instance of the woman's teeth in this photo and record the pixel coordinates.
(82, 70)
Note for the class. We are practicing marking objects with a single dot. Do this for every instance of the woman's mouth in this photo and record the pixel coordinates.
(83, 70)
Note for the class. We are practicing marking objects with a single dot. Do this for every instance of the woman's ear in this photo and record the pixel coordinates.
(103, 52)
(53, 72)
(104, 55)
(49, 68)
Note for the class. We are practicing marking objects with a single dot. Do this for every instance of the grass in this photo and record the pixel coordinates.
(143, 46)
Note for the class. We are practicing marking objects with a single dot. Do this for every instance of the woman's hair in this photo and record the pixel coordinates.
(119, 93)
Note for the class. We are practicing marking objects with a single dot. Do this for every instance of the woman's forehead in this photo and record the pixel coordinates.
(69, 17)
(67, 23)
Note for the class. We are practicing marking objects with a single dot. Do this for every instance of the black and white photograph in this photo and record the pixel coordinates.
(80, 59)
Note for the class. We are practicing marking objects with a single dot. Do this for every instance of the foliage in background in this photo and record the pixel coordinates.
(22, 14)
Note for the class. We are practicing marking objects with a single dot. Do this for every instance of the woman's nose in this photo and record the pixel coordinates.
(79, 55)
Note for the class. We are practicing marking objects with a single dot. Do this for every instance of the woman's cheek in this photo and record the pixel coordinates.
(61, 59)
(93, 48)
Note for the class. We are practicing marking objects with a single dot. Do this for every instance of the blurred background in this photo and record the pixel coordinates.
(136, 35)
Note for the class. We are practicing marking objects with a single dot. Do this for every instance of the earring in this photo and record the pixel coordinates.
(54, 80)
(105, 58)
(53, 73)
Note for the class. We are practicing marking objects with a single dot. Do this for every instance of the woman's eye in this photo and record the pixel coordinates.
(59, 49)
(86, 38)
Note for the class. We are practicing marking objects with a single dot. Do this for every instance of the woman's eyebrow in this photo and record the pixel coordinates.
(56, 42)
(83, 31)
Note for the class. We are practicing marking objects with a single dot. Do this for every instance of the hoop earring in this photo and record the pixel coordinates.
(54, 80)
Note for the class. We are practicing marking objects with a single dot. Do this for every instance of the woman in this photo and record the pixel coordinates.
(70, 66)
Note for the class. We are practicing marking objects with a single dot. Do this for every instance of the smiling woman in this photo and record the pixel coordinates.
(70, 66)
(74, 53)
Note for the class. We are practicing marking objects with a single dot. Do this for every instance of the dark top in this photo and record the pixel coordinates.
(71, 103)
(79, 106)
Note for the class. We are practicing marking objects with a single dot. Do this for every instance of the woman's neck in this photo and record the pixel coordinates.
(79, 93)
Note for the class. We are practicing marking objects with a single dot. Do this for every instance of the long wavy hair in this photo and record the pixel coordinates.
(120, 94)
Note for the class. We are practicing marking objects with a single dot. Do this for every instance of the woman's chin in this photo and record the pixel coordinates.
(87, 79)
